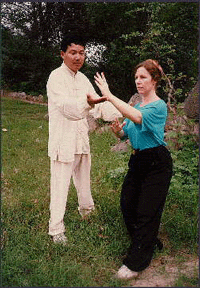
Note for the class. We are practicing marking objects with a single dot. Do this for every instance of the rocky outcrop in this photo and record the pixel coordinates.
(135, 99)
(23, 96)
(93, 123)
(191, 104)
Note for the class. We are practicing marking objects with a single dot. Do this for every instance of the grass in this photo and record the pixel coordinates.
(97, 245)
(185, 281)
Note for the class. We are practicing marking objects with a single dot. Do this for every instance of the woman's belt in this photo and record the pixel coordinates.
(135, 151)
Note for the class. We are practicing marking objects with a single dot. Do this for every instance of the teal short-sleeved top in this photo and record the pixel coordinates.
(150, 133)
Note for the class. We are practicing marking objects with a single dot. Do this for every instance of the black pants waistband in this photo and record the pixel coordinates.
(148, 150)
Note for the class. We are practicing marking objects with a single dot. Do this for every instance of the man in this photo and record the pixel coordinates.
(68, 146)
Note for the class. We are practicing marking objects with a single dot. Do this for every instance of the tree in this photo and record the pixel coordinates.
(31, 40)
(167, 32)
(131, 32)
(119, 26)
(25, 65)
(172, 39)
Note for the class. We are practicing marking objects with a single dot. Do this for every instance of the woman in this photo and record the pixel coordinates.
(146, 184)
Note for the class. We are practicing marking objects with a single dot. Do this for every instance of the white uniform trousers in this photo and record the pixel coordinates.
(61, 174)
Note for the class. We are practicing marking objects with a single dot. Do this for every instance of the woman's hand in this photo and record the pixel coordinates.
(124, 108)
(101, 82)
(116, 127)
(92, 100)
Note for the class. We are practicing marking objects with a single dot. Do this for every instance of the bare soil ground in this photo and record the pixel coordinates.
(165, 271)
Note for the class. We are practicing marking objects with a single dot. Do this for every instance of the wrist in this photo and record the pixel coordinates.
(120, 133)
(110, 96)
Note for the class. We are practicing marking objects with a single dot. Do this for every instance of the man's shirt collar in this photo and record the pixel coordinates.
(72, 73)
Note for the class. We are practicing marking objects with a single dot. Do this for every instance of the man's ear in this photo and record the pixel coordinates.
(62, 54)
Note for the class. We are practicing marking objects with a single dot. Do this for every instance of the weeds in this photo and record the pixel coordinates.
(185, 281)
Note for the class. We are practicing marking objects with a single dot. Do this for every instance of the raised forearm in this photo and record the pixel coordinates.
(125, 109)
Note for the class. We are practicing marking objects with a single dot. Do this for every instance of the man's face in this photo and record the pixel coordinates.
(74, 57)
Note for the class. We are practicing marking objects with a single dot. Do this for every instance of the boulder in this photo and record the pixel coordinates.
(93, 123)
(136, 98)
(191, 104)
(121, 146)
(41, 98)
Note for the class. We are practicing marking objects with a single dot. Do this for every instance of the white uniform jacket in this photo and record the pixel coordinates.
(68, 108)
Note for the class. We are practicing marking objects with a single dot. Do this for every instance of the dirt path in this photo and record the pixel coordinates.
(164, 271)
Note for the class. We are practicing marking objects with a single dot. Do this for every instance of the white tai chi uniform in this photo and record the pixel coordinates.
(68, 145)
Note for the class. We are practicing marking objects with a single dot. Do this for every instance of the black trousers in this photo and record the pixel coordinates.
(143, 197)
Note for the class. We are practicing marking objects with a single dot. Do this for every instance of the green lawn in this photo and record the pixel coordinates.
(97, 245)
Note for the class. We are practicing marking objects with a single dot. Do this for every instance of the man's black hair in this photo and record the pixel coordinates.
(73, 38)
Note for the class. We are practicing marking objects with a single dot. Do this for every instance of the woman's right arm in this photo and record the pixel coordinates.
(116, 127)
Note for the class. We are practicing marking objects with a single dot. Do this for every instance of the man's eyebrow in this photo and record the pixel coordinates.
(74, 50)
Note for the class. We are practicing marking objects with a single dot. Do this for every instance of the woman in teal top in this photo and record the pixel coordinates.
(146, 184)
(150, 133)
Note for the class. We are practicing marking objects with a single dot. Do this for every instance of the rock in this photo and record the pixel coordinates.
(34, 98)
(93, 123)
(40, 98)
(22, 95)
(191, 104)
(13, 94)
(121, 147)
(136, 98)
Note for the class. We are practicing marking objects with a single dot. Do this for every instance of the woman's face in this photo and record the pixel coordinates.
(144, 82)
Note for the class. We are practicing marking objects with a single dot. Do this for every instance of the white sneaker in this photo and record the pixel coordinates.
(60, 239)
(85, 212)
(125, 273)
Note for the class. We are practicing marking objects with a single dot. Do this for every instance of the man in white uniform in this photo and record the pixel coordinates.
(68, 146)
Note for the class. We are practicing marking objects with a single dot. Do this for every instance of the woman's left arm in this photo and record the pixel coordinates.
(127, 110)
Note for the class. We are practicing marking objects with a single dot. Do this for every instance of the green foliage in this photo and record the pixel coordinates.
(181, 134)
(26, 67)
(116, 176)
(185, 281)
(181, 212)
(170, 35)
(173, 40)
(167, 32)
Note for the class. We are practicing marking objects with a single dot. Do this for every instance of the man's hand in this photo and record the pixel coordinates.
(92, 100)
